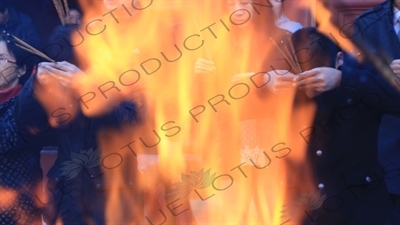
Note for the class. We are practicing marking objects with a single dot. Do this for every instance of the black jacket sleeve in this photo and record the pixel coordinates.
(373, 90)
(31, 117)
(124, 114)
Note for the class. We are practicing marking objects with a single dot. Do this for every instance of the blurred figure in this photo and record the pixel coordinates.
(20, 143)
(246, 128)
(281, 20)
(380, 38)
(20, 25)
(59, 45)
(101, 128)
(157, 100)
(342, 148)
(17, 24)
(77, 188)
(75, 17)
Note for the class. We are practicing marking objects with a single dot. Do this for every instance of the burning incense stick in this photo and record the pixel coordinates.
(27, 47)
(284, 54)
(293, 61)
(294, 52)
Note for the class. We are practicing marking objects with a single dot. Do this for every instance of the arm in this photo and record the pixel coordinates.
(372, 90)
(63, 86)
(67, 82)
(124, 114)
(52, 90)
(318, 80)
(31, 118)
(279, 81)
(357, 84)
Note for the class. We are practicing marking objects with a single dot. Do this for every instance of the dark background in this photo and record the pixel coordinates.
(43, 13)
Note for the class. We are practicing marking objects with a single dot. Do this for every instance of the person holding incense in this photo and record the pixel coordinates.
(22, 26)
(20, 144)
(249, 51)
(342, 141)
(97, 130)
(79, 181)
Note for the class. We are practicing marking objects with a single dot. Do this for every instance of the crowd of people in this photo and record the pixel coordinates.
(313, 119)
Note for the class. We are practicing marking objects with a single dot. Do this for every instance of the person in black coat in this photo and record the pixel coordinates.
(79, 181)
(377, 31)
(59, 45)
(18, 24)
(20, 144)
(343, 139)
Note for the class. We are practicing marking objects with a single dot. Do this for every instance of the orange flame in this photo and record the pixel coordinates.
(196, 124)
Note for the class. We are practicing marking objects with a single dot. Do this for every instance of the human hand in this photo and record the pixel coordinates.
(318, 80)
(241, 76)
(63, 72)
(279, 81)
(55, 93)
(203, 66)
(43, 76)
(395, 65)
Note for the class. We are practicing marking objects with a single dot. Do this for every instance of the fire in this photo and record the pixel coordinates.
(341, 35)
(195, 123)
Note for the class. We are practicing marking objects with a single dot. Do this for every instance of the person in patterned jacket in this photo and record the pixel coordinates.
(20, 172)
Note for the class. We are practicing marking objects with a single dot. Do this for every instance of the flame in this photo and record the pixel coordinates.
(194, 123)
(341, 36)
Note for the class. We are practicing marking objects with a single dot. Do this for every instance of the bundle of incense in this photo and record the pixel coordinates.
(287, 54)
(63, 11)
(293, 52)
(59, 9)
(66, 8)
(23, 45)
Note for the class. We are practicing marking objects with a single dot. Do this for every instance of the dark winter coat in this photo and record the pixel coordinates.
(20, 171)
